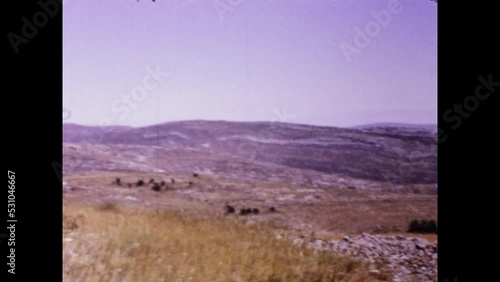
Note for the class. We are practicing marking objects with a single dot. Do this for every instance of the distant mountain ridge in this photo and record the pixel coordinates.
(427, 126)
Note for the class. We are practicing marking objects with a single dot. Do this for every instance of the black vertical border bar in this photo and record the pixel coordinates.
(467, 49)
(447, 200)
(32, 137)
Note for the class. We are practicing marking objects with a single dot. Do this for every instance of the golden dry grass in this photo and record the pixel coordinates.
(123, 243)
(429, 237)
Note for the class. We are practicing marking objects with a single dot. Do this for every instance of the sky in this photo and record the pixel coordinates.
(322, 62)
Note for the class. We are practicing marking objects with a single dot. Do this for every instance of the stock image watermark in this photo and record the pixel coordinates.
(32, 25)
(364, 36)
(249, 150)
(456, 114)
(66, 114)
(129, 101)
(222, 7)
(11, 222)
(120, 108)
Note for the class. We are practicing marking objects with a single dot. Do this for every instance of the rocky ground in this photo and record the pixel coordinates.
(407, 259)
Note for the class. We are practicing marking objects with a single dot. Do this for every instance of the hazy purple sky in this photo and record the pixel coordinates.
(257, 60)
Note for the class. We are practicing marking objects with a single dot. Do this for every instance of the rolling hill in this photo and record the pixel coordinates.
(381, 153)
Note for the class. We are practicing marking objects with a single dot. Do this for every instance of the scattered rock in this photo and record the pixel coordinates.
(374, 272)
(408, 259)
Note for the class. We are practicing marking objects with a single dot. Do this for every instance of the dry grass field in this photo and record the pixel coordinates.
(182, 233)
(115, 242)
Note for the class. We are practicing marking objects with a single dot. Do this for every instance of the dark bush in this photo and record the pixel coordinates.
(156, 187)
(140, 183)
(229, 208)
(414, 226)
(430, 226)
(423, 226)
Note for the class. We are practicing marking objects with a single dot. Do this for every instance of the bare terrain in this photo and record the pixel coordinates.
(350, 192)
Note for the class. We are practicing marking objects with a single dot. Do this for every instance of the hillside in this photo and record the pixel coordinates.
(383, 153)
(335, 202)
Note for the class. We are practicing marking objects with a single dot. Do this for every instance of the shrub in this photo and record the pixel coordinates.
(156, 187)
(423, 226)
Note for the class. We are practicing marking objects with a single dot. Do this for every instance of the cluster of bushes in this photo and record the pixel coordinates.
(422, 226)
(155, 186)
